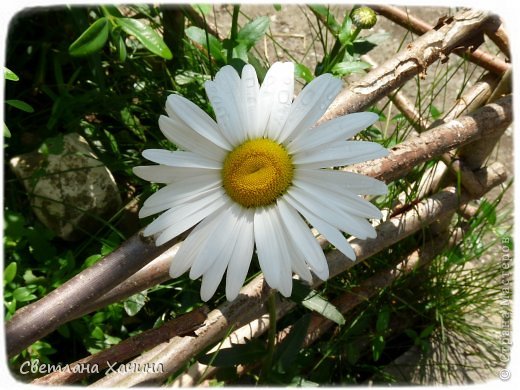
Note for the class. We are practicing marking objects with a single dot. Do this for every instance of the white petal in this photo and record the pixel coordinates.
(146, 211)
(304, 239)
(310, 105)
(180, 159)
(166, 174)
(212, 278)
(212, 248)
(344, 221)
(343, 180)
(339, 154)
(351, 203)
(186, 138)
(241, 256)
(338, 129)
(275, 98)
(280, 237)
(225, 95)
(332, 234)
(265, 247)
(175, 221)
(196, 119)
(250, 91)
(298, 264)
(182, 188)
(189, 249)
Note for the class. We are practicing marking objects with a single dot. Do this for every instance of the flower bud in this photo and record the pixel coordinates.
(363, 17)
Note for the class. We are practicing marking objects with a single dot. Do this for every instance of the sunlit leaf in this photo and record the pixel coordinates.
(92, 39)
(135, 303)
(149, 38)
(198, 36)
(10, 75)
(9, 272)
(301, 71)
(346, 68)
(253, 31)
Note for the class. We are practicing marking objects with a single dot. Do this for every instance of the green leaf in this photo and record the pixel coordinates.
(249, 353)
(426, 332)
(111, 10)
(377, 347)
(135, 303)
(345, 33)
(288, 350)
(277, 7)
(324, 11)
(20, 105)
(383, 319)
(9, 272)
(303, 72)
(253, 31)
(7, 132)
(489, 212)
(317, 303)
(10, 75)
(146, 35)
(434, 112)
(92, 39)
(98, 333)
(121, 49)
(352, 353)
(240, 52)
(53, 145)
(346, 68)
(23, 294)
(198, 36)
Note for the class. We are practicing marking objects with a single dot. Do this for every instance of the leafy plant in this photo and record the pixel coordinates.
(111, 24)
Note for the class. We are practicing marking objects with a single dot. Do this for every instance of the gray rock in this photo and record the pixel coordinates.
(71, 191)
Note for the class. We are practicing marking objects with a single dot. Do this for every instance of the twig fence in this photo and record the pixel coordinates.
(463, 143)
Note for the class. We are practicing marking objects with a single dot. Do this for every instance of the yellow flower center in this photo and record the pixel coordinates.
(257, 172)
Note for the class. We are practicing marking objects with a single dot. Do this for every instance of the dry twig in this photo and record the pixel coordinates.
(419, 27)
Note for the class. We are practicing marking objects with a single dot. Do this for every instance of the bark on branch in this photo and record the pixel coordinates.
(38, 319)
(125, 350)
(419, 27)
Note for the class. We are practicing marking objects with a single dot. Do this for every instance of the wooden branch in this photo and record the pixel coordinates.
(494, 29)
(472, 99)
(402, 103)
(125, 350)
(154, 273)
(419, 27)
(250, 302)
(38, 319)
(484, 122)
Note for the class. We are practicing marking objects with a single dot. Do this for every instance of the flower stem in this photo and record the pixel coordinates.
(271, 337)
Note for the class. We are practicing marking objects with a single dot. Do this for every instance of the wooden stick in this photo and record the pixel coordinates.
(125, 350)
(419, 27)
(38, 319)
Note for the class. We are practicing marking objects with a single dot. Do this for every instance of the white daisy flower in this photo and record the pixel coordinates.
(256, 177)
